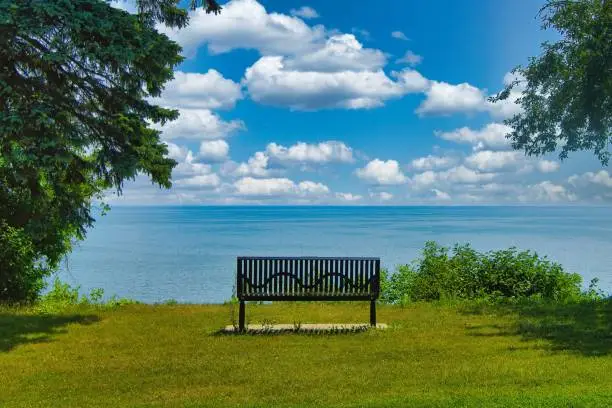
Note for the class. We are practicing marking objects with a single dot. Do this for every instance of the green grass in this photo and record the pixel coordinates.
(432, 355)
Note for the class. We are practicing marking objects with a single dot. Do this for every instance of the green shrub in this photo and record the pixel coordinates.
(463, 273)
(21, 273)
(62, 296)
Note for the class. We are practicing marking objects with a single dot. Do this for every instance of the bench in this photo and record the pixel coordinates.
(307, 278)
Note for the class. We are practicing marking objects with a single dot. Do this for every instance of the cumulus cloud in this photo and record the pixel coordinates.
(381, 196)
(257, 166)
(323, 152)
(271, 82)
(245, 24)
(440, 195)
(412, 81)
(546, 191)
(194, 95)
(270, 187)
(310, 187)
(399, 35)
(204, 180)
(202, 91)
(487, 160)
(410, 58)
(199, 124)
(188, 171)
(305, 12)
(349, 197)
(443, 98)
(382, 172)
(214, 150)
(302, 67)
(592, 186)
(455, 175)
(547, 166)
(508, 107)
(432, 163)
(341, 52)
(601, 178)
(491, 136)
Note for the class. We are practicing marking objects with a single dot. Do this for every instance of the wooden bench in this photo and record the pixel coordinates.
(307, 278)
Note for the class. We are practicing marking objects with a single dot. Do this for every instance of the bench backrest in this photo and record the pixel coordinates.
(267, 278)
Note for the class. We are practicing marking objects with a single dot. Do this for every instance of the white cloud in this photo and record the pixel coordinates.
(547, 166)
(257, 166)
(508, 107)
(410, 58)
(201, 91)
(177, 152)
(440, 195)
(455, 175)
(264, 187)
(301, 67)
(188, 172)
(492, 136)
(432, 163)
(592, 186)
(245, 24)
(199, 124)
(350, 197)
(462, 174)
(250, 186)
(382, 196)
(305, 12)
(487, 160)
(341, 52)
(399, 35)
(382, 172)
(270, 82)
(424, 179)
(323, 152)
(601, 178)
(443, 99)
(411, 80)
(546, 191)
(310, 187)
(204, 180)
(214, 150)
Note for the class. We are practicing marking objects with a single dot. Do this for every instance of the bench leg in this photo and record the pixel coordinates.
(241, 316)
(373, 313)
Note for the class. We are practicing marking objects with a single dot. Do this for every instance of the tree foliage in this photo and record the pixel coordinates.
(75, 120)
(567, 96)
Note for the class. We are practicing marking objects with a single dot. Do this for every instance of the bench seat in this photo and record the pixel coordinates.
(307, 279)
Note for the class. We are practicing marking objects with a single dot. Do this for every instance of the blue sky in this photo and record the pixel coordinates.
(333, 102)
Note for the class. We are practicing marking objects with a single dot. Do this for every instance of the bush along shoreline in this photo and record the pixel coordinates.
(462, 273)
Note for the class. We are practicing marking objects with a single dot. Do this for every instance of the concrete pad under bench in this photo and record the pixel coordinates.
(305, 327)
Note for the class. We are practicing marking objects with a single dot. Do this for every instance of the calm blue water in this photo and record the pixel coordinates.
(188, 253)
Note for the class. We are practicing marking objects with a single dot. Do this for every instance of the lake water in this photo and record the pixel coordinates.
(189, 253)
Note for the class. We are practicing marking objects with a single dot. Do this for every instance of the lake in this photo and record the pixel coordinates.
(186, 253)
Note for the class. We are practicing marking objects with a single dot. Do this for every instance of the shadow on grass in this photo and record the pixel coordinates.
(19, 329)
(584, 327)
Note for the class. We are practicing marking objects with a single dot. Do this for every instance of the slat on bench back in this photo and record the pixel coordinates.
(271, 277)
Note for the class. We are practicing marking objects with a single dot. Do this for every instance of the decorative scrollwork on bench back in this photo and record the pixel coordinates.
(260, 277)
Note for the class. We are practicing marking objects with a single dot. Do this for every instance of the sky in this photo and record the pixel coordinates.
(320, 102)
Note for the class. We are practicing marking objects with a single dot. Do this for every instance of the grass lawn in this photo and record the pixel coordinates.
(432, 355)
